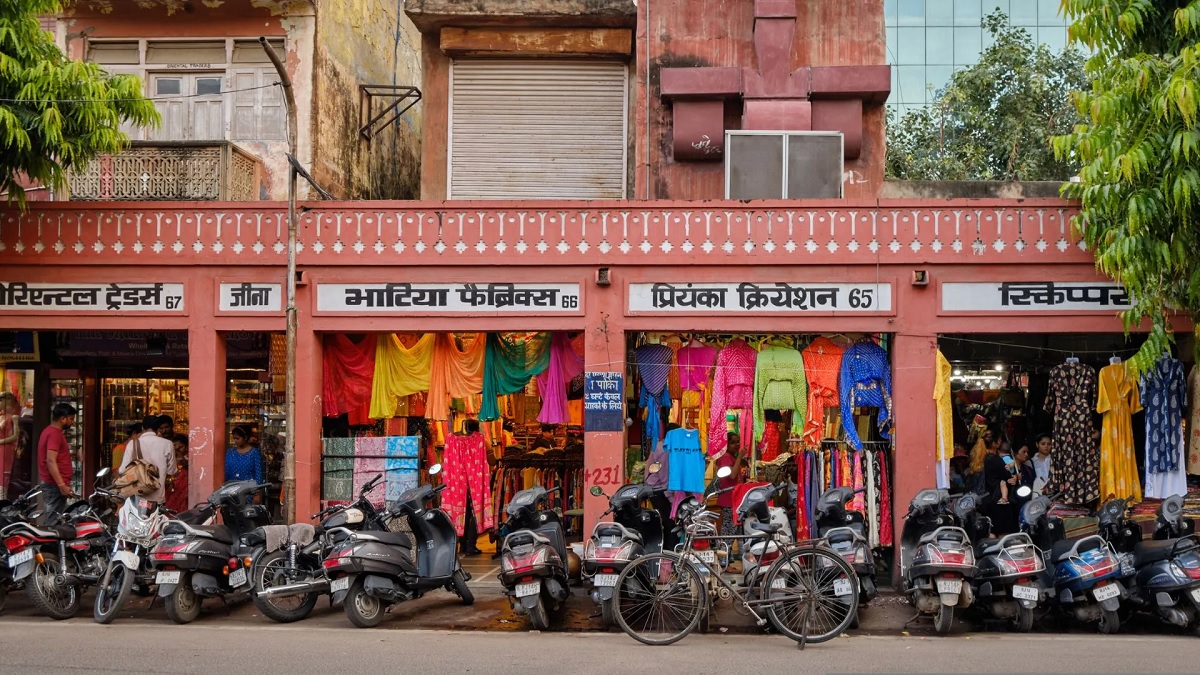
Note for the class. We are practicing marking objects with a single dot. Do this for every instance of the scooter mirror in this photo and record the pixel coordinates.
(596, 491)
(435, 469)
(724, 472)
(654, 468)
(103, 472)
(1024, 491)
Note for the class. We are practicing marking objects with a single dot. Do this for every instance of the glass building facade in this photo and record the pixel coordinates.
(928, 39)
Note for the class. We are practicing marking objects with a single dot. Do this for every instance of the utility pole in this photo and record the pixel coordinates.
(289, 456)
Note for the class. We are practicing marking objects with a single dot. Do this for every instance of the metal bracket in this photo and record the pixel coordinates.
(396, 94)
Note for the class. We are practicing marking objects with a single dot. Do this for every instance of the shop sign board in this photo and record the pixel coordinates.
(1034, 296)
(761, 298)
(603, 401)
(467, 298)
(18, 296)
(251, 297)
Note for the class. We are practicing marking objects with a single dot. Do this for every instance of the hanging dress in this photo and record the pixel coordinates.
(944, 432)
(1164, 391)
(1118, 465)
(1075, 466)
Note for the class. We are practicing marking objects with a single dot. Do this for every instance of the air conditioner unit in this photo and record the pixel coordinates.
(783, 164)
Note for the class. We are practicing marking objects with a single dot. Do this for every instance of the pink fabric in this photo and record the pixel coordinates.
(733, 389)
(565, 365)
(465, 470)
(370, 460)
(859, 503)
(696, 360)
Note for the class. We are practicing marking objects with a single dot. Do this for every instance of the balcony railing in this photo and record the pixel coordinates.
(170, 171)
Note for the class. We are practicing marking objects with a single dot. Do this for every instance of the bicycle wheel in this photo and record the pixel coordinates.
(659, 599)
(813, 594)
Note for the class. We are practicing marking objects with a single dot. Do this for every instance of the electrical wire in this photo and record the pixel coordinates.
(144, 98)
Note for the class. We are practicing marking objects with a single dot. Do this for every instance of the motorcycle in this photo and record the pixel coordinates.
(1122, 536)
(1166, 581)
(936, 559)
(1169, 522)
(846, 532)
(755, 508)
(288, 579)
(533, 557)
(193, 562)
(1006, 587)
(13, 511)
(140, 524)
(61, 560)
(635, 531)
(369, 571)
(1081, 574)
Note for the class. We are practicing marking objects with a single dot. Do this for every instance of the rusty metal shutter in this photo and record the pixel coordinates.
(536, 129)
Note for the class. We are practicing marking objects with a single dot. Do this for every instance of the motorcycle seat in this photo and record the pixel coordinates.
(987, 547)
(220, 533)
(1146, 552)
(1061, 550)
(390, 538)
(769, 528)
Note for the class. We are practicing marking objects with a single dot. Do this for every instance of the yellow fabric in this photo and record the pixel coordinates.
(455, 373)
(695, 407)
(945, 410)
(399, 371)
(1118, 400)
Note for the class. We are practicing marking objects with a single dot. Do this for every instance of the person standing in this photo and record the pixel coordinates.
(54, 459)
(10, 433)
(151, 447)
(243, 461)
(1041, 461)
(177, 486)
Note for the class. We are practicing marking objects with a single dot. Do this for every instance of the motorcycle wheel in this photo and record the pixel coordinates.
(944, 619)
(538, 617)
(183, 606)
(270, 571)
(854, 620)
(1024, 621)
(47, 596)
(111, 593)
(606, 612)
(459, 580)
(364, 611)
(3, 596)
(1110, 623)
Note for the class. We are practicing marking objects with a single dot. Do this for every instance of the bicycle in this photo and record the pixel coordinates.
(808, 593)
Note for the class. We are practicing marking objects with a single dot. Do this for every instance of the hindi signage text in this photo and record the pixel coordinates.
(1034, 296)
(458, 298)
(761, 298)
(18, 296)
(251, 297)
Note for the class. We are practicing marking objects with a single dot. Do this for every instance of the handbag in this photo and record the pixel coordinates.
(139, 478)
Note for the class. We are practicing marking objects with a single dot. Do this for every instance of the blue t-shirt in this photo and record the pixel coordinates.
(686, 463)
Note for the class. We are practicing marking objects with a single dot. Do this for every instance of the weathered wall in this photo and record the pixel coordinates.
(365, 42)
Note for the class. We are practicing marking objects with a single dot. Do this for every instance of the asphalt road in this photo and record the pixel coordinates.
(38, 646)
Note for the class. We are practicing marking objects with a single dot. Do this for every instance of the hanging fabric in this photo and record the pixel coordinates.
(510, 362)
(822, 367)
(1074, 464)
(1164, 397)
(348, 374)
(733, 389)
(1193, 437)
(866, 381)
(1117, 401)
(944, 439)
(654, 366)
(695, 361)
(565, 364)
(455, 373)
(399, 371)
(779, 384)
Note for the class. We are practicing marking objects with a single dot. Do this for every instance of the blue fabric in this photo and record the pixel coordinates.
(653, 403)
(686, 460)
(865, 381)
(1163, 390)
(243, 467)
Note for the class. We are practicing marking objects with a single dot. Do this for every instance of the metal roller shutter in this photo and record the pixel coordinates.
(525, 129)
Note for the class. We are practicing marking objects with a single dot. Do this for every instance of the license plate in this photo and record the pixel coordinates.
(1106, 592)
(339, 585)
(166, 578)
(842, 587)
(605, 580)
(782, 583)
(1025, 593)
(706, 556)
(949, 585)
(529, 589)
(1196, 594)
(21, 557)
(237, 578)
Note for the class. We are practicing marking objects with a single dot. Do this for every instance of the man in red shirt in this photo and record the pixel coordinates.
(54, 459)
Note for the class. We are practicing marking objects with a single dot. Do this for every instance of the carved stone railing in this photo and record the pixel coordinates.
(170, 171)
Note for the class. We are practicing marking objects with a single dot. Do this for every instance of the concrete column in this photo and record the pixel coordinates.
(604, 351)
(206, 404)
(308, 411)
(913, 373)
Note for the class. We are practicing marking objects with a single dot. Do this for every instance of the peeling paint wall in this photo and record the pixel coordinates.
(365, 42)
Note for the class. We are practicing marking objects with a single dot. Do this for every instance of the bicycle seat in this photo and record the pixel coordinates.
(769, 528)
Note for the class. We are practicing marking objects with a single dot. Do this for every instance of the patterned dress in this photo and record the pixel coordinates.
(1164, 399)
(822, 366)
(1075, 464)
(1118, 465)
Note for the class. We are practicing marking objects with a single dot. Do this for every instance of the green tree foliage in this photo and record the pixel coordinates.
(1140, 152)
(56, 113)
(993, 120)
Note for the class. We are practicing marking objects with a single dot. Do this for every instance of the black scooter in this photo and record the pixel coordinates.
(1007, 585)
(196, 561)
(633, 532)
(937, 561)
(369, 571)
(846, 532)
(1169, 523)
(1167, 578)
(533, 568)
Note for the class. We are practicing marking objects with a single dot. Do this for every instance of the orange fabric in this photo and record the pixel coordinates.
(456, 373)
(822, 366)
(673, 385)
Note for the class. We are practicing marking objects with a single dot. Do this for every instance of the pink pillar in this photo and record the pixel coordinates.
(308, 413)
(206, 403)
(604, 352)
(913, 406)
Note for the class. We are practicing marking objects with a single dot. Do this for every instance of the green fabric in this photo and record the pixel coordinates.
(510, 361)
